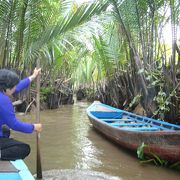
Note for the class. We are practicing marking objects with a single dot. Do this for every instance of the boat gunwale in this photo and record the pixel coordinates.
(21, 171)
(162, 132)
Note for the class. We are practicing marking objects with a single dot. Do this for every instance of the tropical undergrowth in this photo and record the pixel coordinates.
(132, 65)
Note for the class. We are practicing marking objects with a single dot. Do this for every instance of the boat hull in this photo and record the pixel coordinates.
(165, 144)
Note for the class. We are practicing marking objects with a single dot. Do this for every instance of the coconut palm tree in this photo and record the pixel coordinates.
(28, 26)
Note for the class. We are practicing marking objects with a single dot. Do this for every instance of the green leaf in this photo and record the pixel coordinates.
(140, 151)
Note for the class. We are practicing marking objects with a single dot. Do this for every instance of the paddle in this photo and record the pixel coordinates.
(38, 159)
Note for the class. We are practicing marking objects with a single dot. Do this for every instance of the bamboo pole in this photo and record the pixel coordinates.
(38, 158)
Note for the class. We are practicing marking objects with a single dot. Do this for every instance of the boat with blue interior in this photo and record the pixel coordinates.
(131, 130)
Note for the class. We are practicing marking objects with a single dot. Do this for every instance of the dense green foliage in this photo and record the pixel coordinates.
(114, 48)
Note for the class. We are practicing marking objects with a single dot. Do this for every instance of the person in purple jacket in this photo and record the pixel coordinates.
(11, 149)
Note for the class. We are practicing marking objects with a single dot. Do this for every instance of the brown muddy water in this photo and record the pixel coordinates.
(72, 150)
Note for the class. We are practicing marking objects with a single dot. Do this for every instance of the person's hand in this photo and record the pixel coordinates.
(35, 74)
(38, 127)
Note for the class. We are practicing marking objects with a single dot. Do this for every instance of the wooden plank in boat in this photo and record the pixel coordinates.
(117, 120)
(141, 129)
(127, 124)
(6, 166)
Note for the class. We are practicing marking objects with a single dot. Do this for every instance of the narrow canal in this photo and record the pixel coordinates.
(71, 149)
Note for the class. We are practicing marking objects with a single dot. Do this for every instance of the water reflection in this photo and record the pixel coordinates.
(86, 153)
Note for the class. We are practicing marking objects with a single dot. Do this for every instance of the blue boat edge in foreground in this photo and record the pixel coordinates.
(22, 172)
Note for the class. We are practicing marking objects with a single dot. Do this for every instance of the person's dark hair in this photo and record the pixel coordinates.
(8, 79)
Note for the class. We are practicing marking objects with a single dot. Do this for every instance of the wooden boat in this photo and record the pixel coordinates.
(131, 130)
(16, 170)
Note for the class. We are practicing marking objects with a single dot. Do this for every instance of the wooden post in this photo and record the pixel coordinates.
(38, 159)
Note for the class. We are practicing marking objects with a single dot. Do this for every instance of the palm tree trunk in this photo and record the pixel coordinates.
(20, 38)
(133, 51)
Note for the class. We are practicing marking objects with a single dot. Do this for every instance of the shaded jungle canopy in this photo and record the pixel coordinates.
(112, 50)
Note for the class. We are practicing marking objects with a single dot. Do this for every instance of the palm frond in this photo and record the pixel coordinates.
(68, 23)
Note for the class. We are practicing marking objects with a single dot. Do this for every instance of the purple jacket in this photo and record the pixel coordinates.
(7, 114)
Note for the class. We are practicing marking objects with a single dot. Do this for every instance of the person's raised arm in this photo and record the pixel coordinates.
(25, 82)
(35, 74)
